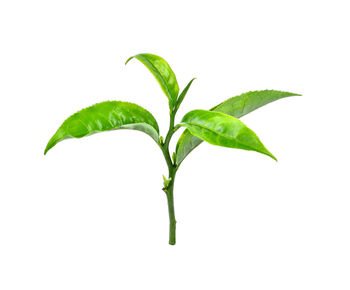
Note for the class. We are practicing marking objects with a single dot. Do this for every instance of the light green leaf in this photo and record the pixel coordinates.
(163, 74)
(183, 94)
(166, 181)
(237, 107)
(223, 130)
(106, 116)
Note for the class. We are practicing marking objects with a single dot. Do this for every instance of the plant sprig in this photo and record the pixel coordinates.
(218, 126)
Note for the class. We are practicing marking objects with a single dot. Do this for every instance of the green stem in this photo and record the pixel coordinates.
(169, 189)
(172, 220)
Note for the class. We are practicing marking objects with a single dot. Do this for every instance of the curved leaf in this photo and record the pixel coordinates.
(237, 107)
(163, 74)
(106, 116)
(223, 130)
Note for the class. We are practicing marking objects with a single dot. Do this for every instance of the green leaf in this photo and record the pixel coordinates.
(248, 102)
(183, 94)
(163, 74)
(106, 116)
(237, 107)
(223, 130)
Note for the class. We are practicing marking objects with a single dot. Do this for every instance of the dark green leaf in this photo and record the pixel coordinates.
(183, 94)
(106, 116)
(236, 107)
(223, 130)
(163, 74)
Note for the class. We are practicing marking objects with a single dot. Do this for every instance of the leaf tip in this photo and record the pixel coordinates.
(274, 158)
(268, 153)
(130, 58)
(294, 94)
(48, 147)
(52, 142)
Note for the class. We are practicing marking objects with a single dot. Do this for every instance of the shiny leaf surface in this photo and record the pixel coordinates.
(106, 116)
(163, 74)
(223, 130)
(237, 107)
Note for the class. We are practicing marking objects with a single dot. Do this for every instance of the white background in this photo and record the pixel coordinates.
(91, 214)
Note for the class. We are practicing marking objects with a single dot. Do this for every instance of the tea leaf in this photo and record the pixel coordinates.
(237, 107)
(223, 130)
(106, 116)
(163, 73)
(183, 94)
